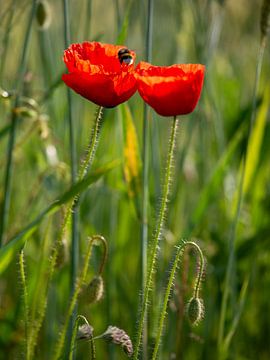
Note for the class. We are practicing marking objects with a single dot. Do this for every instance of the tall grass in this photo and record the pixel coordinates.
(145, 192)
(219, 194)
(14, 117)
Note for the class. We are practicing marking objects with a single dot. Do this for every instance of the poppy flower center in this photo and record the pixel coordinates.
(124, 56)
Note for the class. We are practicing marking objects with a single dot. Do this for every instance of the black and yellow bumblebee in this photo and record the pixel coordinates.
(125, 56)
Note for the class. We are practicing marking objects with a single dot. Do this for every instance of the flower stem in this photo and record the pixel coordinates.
(170, 285)
(104, 255)
(144, 228)
(74, 334)
(74, 298)
(92, 147)
(157, 235)
(25, 300)
(12, 133)
(84, 168)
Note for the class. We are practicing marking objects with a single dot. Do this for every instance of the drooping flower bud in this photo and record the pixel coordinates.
(119, 337)
(94, 291)
(85, 332)
(195, 310)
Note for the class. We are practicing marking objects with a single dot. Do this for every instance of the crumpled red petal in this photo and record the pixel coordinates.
(96, 73)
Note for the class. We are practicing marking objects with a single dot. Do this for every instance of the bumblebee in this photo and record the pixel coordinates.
(124, 56)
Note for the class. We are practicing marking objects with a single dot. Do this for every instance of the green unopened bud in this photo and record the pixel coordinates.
(94, 291)
(195, 310)
(43, 14)
(119, 337)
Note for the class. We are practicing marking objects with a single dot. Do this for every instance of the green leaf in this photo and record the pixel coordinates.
(121, 38)
(9, 250)
(255, 142)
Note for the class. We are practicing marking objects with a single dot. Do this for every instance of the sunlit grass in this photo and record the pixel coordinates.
(211, 148)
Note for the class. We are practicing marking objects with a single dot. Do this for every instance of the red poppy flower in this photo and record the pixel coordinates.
(102, 73)
(170, 90)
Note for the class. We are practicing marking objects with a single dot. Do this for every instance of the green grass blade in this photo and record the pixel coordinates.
(255, 142)
(235, 322)
(218, 175)
(122, 36)
(9, 251)
(12, 133)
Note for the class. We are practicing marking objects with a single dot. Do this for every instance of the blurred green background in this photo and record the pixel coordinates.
(223, 35)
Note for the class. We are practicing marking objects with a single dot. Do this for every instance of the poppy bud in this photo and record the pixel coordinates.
(94, 291)
(43, 15)
(85, 332)
(119, 337)
(195, 310)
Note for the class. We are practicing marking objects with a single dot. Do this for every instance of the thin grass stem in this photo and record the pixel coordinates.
(240, 195)
(38, 305)
(7, 37)
(84, 168)
(74, 298)
(74, 250)
(12, 132)
(74, 335)
(157, 235)
(25, 301)
(87, 26)
(145, 159)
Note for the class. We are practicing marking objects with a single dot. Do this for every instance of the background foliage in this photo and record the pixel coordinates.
(223, 35)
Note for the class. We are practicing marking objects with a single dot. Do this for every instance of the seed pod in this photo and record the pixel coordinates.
(195, 310)
(119, 337)
(94, 291)
(265, 18)
(43, 14)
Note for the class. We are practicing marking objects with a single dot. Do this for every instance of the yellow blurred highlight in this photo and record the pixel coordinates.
(255, 141)
(132, 162)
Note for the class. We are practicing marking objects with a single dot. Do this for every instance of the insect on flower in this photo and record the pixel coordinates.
(125, 56)
(102, 73)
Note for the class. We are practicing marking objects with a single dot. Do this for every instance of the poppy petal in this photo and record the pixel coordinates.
(170, 90)
(96, 73)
